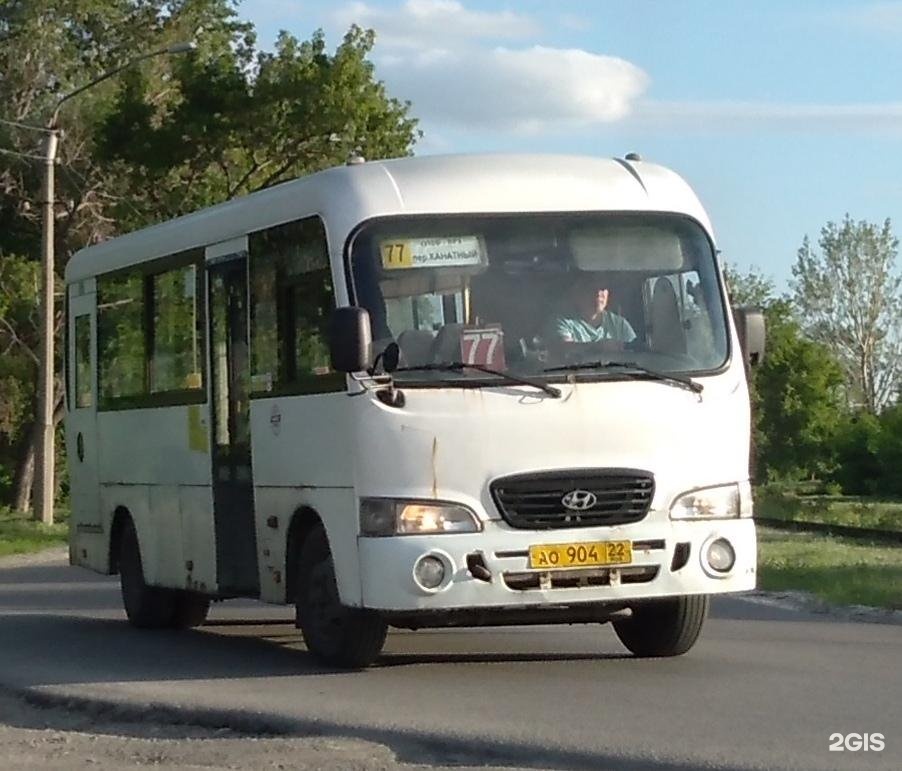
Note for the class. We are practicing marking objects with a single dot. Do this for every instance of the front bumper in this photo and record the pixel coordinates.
(388, 584)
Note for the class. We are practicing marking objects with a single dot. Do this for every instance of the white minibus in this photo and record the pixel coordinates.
(421, 392)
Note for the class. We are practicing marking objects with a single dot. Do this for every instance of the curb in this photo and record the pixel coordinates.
(806, 601)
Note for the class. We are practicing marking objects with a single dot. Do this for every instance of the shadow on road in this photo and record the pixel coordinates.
(407, 659)
(413, 747)
(44, 649)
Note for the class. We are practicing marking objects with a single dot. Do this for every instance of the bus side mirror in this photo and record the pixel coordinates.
(751, 329)
(350, 339)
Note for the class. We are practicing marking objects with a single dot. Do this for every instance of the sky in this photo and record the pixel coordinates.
(781, 114)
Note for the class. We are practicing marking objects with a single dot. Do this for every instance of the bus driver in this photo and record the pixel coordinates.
(591, 321)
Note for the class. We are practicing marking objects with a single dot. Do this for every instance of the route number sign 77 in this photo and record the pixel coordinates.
(484, 346)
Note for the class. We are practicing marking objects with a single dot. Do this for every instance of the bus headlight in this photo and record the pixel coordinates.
(722, 502)
(388, 516)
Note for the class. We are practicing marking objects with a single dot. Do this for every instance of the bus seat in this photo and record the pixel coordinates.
(446, 346)
(667, 333)
(416, 346)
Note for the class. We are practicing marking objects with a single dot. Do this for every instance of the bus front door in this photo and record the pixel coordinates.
(233, 491)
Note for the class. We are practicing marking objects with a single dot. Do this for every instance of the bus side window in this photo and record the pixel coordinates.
(150, 334)
(291, 301)
(309, 302)
(176, 350)
(84, 391)
(121, 338)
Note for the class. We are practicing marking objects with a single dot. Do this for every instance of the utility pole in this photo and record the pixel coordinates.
(46, 451)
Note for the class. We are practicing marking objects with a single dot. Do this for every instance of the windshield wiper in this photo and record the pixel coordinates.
(631, 366)
(458, 366)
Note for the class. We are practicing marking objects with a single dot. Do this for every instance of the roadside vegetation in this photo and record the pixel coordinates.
(846, 510)
(837, 570)
(21, 535)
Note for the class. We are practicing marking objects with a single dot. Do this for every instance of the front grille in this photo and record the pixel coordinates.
(535, 501)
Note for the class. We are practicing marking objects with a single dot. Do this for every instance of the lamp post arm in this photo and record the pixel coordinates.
(176, 48)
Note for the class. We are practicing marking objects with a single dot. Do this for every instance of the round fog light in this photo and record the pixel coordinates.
(720, 555)
(429, 572)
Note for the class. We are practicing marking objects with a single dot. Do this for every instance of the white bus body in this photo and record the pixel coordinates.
(215, 452)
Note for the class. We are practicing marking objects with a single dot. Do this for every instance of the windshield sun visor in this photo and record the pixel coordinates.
(626, 248)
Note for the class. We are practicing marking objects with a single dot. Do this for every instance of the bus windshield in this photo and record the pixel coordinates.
(539, 295)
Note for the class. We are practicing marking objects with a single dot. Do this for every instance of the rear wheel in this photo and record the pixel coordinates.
(665, 627)
(189, 609)
(147, 607)
(335, 634)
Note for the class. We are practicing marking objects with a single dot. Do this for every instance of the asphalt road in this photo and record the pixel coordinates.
(764, 688)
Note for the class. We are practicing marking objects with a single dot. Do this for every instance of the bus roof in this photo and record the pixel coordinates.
(453, 184)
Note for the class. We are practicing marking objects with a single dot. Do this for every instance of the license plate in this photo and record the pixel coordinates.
(580, 555)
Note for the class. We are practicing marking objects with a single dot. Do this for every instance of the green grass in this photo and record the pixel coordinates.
(21, 535)
(837, 570)
(829, 509)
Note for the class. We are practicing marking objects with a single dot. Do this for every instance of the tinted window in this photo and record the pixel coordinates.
(121, 336)
(175, 362)
(292, 298)
(84, 392)
(150, 332)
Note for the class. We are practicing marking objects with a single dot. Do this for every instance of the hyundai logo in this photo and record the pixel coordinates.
(579, 500)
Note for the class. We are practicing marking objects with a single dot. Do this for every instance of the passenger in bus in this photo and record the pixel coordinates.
(590, 321)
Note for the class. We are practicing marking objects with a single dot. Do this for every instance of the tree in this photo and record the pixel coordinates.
(850, 298)
(796, 403)
(858, 467)
(169, 136)
(749, 288)
(19, 340)
(47, 49)
(889, 451)
(228, 125)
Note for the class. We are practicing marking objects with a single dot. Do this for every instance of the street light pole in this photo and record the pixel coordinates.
(46, 450)
(46, 446)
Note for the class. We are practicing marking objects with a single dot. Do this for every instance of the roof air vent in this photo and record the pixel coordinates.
(633, 157)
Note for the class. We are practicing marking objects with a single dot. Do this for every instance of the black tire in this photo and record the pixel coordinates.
(666, 627)
(147, 607)
(189, 609)
(336, 635)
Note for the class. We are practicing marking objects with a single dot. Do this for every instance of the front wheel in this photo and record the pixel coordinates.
(335, 634)
(665, 627)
